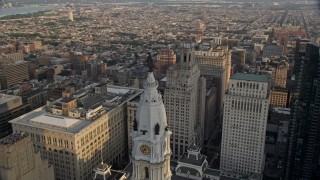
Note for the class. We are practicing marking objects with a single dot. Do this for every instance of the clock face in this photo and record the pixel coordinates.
(146, 150)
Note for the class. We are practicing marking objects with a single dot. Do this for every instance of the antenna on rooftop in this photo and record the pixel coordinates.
(101, 155)
(194, 140)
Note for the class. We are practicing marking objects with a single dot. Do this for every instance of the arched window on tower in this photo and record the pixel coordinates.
(147, 172)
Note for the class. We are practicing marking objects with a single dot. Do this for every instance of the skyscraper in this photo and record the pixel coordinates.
(184, 99)
(151, 136)
(13, 69)
(304, 135)
(244, 126)
(215, 63)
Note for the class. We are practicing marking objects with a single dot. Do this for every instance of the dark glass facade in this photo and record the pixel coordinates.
(303, 161)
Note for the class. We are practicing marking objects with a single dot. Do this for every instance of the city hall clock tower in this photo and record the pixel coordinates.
(151, 136)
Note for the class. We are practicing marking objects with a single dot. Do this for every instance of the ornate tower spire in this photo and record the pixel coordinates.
(151, 136)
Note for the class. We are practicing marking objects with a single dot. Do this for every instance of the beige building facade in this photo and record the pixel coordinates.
(132, 107)
(20, 162)
(280, 75)
(184, 99)
(213, 59)
(215, 63)
(76, 133)
(278, 98)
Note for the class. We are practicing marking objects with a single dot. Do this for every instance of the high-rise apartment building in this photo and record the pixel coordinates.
(215, 63)
(277, 69)
(184, 99)
(75, 133)
(20, 162)
(244, 126)
(304, 135)
(13, 69)
(151, 136)
(165, 58)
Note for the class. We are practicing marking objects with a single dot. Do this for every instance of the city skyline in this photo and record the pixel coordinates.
(159, 90)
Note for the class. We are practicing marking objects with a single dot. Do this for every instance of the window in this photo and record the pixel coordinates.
(146, 172)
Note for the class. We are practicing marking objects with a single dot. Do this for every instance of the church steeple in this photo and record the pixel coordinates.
(151, 136)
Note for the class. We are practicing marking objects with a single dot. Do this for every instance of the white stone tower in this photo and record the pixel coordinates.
(244, 126)
(151, 136)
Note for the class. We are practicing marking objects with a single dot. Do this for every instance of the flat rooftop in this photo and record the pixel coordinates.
(250, 77)
(118, 91)
(12, 138)
(55, 121)
(9, 102)
(281, 110)
(43, 118)
(4, 98)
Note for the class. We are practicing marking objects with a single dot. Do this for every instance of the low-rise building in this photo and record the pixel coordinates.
(10, 108)
(278, 97)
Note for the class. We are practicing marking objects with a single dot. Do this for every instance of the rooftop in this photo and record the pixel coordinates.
(184, 159)
(4, 98)
(55, 121)
(67, 99)
(281, 110)
(12, 138)
(89, 109)
(250, 77)
(9, 102)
